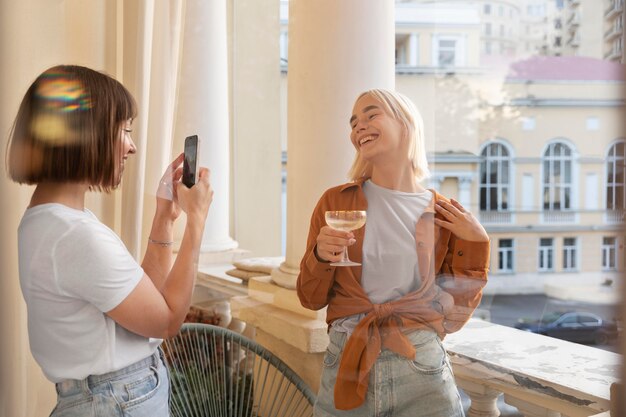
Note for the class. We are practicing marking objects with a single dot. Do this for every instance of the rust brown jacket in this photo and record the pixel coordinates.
(453, 274)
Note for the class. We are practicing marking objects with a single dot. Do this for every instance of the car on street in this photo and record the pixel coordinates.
(574, 326)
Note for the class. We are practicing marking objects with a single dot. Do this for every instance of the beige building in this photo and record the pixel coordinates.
(543, 167)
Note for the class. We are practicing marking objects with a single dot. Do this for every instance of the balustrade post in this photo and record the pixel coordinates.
(484, 399)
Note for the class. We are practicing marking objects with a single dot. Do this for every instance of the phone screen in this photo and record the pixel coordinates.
(190, 164)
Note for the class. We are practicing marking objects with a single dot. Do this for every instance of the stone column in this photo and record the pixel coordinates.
(337, 49)
(202, 109)
(465, 191)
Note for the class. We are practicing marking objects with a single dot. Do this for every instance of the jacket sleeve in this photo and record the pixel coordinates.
(462, 278)
(316, 278)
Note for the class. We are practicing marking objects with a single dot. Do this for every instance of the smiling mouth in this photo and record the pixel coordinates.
(366, 139)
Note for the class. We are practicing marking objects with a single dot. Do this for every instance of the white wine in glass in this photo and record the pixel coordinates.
(345, 220)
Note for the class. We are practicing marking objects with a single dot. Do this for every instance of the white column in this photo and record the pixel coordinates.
(413, 50)
(202, 109)
(465, 191)
(337, 49)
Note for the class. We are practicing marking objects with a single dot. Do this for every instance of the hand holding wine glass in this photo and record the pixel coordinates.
(345, 221)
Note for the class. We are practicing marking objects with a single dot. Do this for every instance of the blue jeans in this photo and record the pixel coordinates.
(138, 390)
(398, 387)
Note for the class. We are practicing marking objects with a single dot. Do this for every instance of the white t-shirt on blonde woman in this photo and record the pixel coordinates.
(73, 269)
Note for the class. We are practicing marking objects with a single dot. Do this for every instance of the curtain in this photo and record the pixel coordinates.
(137, 42)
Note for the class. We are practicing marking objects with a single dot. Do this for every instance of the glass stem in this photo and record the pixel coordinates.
(344, 255)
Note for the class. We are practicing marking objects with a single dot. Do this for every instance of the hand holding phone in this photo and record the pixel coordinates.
(190, 163)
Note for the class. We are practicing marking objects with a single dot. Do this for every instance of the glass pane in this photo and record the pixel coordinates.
(556, 202)
(569, 241)
(504, 202)
(609, 198)
(568, 172)
(549, 260)
(546, 198)
(506, 243)
(505, 172)
(493, 198)
(545, 241)
(619, 197)
(546, 172)
(566, 203)
(483, 198)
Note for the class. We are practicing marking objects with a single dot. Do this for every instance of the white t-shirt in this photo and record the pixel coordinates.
(390, 269)
(73, 269)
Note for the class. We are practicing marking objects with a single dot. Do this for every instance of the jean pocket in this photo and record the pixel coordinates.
(332, 356)
(140, 389)
(430, 356)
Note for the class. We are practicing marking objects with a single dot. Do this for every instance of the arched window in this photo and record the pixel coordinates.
(494, 178)
(557, 177)
(615, 180)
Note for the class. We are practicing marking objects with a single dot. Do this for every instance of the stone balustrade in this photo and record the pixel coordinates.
(539, 375)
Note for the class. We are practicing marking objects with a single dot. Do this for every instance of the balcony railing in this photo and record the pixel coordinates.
(612, 33)
(496, 217)
(538, 375)
(615, 216)
(615, 7)
(574, 19)
(613, 54)
(558, 216)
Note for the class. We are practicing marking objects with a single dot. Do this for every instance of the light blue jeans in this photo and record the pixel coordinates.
(138, 390)
(398, 387)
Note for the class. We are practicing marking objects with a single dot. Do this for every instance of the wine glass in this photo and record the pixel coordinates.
(345, 220)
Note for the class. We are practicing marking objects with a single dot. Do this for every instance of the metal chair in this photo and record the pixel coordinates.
(219, 373)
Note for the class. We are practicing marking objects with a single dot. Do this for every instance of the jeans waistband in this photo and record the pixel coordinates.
(72, 386)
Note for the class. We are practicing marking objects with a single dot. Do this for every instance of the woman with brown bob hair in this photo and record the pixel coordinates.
(421, 264)
(95, 316)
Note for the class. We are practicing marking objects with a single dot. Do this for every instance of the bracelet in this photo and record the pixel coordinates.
(163, 243)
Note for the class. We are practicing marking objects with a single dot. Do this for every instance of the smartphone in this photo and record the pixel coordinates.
(190, 164)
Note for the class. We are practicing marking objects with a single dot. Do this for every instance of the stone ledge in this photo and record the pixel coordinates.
(307, 334)
(265, 290)
(562, 376)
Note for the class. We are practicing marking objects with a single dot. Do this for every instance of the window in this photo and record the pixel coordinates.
(559, 4)
(569, 254)
(501, 10)
(558, 24)
(487, 8)
(609, 254)
(488, 48)
(505, 255)
(615, 178)
(447, 52)
(557, 177)
(546, 254)
(487, 28)
(501, 30)
(557, 41)
(495, 177)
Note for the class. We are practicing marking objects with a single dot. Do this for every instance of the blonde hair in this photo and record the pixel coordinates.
(402, 109)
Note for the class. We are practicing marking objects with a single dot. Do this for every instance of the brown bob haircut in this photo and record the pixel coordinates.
(67, 129)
